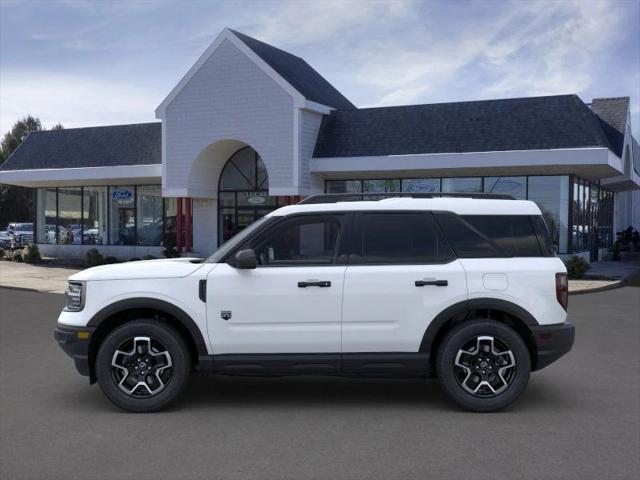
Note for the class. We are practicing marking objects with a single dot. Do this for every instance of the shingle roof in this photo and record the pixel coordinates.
(137, 144)
(532, 123)
(298, 73)
(612, 113)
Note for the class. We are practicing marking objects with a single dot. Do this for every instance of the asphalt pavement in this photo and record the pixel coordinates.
(579, 418)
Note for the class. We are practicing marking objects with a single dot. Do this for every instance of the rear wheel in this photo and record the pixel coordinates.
(143, 365)
(483, 365)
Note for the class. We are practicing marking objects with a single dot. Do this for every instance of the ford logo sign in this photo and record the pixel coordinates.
(121, 195)
(256, 199)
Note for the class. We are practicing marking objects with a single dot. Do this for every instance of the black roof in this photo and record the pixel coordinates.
(552, 122)
(612, 113)
(298, 73)
(138, 144)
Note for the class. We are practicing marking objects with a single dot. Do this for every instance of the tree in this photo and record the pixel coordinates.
(16, 203)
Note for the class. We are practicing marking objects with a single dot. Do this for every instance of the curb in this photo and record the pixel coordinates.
(613, 286)
(29, 289)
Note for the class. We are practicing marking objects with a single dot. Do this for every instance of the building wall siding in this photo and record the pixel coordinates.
(229, 98)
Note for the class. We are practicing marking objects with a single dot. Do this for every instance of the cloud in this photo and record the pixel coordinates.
(528, 48)
(72, 100)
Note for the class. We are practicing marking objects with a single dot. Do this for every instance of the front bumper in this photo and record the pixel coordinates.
(552, 342)
(75, 343)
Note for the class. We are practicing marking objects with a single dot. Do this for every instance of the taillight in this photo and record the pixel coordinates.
(562, 289)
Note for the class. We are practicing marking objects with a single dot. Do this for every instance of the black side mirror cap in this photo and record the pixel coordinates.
(245, 259)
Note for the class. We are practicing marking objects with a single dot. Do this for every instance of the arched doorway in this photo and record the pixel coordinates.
(243, 193)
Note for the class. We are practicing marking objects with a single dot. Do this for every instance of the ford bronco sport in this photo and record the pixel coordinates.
(465, 288)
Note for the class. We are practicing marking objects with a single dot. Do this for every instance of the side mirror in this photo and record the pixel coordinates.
(246, 259)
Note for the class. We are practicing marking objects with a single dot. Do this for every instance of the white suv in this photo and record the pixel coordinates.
(465, 289)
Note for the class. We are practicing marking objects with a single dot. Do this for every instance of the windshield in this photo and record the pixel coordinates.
(236, 240)
(23, 227)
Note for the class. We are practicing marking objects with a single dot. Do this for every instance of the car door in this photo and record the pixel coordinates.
(401, 274)
(291, 303)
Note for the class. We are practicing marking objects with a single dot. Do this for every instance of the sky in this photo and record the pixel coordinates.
(86, 63)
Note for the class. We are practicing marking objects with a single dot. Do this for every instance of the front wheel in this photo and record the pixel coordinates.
(483, 365)
(143, 365)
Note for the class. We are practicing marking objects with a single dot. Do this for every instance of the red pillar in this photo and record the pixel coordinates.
(187, 227)
(179, 225)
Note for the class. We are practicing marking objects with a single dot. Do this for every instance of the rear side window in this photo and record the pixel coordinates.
(514, 234)
(544, 238)
(466, 240)
(398, 238)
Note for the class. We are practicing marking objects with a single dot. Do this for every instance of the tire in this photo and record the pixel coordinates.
(148, 346)
(470, 372)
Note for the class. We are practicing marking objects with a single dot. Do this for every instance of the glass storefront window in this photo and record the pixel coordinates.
(69, 216)
(122, 217)
(380, 186)
(94, 215)
(551, 194)
(149, 215)
(344, 186)
(462, 185)
(47, 216)
(421, 185)
(514, 186)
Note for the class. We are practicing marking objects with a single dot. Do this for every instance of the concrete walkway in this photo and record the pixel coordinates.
(42, 278)
(46, 278)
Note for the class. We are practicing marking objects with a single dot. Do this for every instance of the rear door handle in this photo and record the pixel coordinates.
(437, 283)
(314, 283)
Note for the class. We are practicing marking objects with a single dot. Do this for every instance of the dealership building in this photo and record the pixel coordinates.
(250, 128)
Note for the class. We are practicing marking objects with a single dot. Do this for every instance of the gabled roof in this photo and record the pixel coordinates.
(137, 144)
(533, 123)
(298, 73)
(612, 113)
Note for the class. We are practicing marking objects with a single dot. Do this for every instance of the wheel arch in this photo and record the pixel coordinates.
(496, 309)
(118, 313)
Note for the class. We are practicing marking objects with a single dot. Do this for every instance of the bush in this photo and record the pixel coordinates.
(110, 260)
(17, 256)
(93, 258)
(1, 254)
(149, 257)
(576, 267)
(32, 254)
(134, 259)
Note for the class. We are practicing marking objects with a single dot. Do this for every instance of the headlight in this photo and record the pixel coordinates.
(75, 297)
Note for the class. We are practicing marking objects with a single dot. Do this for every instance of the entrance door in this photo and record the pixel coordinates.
(243, 193)
(290, 303)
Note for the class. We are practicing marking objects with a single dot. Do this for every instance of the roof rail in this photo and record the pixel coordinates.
(357, 197)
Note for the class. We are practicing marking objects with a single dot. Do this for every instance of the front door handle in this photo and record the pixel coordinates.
(314, 283)
(437, 283)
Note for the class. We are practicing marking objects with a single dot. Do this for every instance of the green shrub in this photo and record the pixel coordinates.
(149, 257)
(17, 256)
(32, 254)
(576, 267)
(1, 254)
(110, 260)
(93, 257)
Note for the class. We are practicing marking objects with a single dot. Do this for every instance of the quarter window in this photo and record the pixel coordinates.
(399, 238)
(514, 234)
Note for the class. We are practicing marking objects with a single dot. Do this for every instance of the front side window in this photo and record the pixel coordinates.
(398, 238)
(308, 240)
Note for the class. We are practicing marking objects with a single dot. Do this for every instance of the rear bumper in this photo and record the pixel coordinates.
(75, 345)
(552, 342)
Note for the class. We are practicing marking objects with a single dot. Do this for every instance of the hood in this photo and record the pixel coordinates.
(164, 268)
